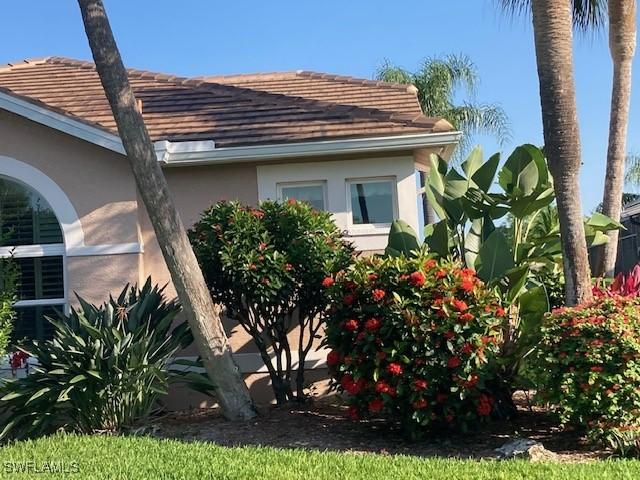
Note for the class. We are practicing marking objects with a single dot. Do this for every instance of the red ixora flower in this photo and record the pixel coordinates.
(257, 213)
(372, 324)
(376, 405)
(351, 386)
(466, 317)
(349, 299)
(429, 264)
(420, 384)
(484, 407)
(353, 413)
(467, 285)
(382, 387)
(292, 201)
(394, 369)
(441, 273)
(499, 312)
(417, 279)
(333, 358)
(327, 282)
(596, 368)
(459, 305)
(420, 404)
(378, 294)
(453, 362)
(351, 325)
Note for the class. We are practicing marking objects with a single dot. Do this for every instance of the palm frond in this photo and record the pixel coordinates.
(632, 170)
(388, 72)
(587, 14)
(483, 118)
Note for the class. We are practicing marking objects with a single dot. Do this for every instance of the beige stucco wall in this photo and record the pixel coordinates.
(98, 182)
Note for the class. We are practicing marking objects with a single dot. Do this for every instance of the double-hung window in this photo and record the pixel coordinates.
(314, 193)
(31, 235)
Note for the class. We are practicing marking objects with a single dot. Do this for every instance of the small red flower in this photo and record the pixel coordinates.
(327, 282)
(499, 312)
(288, 267)
(292, 201)
(459, 305)
(429, 264)
(454, 362)
(257, 213)
(373, 277)
(382, 387)
(417, 279)
(360, 336)
(266, 281)
(376, 405)
(372, 325)
(466, 317)
(394, 369)
(597, 368)
(333, 358)
(467, 348)
(378, 294)
(420, 404)
(349, 299)
(262, 246)
(467, 285)
(449, 335)
(381, 355)
(351, 325)
(420, 384)
(441, 273)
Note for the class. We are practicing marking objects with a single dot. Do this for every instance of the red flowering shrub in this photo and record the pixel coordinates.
(588, 366)
(411, 339)
(270, 268)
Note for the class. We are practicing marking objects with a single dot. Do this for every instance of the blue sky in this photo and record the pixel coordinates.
(347, 37)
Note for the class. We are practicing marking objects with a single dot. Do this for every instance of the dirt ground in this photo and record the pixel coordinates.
(322, 425)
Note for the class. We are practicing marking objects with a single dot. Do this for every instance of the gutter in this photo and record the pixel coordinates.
(177, 154)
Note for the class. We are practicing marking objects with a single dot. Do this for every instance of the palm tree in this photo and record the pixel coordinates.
(622, 44)
(553, 38)
(203, 317)
(438, 81)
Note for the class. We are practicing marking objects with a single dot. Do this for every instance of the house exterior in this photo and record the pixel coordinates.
(71, 215)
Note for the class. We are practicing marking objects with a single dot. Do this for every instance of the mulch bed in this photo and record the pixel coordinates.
(322, 425)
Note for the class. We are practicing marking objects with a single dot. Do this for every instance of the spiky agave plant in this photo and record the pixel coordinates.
(104, 368)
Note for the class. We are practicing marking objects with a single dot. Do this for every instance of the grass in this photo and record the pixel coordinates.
(94, 457)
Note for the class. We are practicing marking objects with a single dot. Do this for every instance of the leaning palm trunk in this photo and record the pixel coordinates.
(622, 44)
(552, 24)
(203, 317)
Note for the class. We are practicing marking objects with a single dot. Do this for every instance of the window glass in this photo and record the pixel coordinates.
(371, 202)
(25, 217)
(310, 193)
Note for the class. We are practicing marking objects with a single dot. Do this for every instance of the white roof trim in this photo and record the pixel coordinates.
(60, 122)
(184, 156)
(205, 152)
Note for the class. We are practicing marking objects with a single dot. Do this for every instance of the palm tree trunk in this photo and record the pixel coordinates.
(622, 44)
(203, 317)
(552, 24)
(428, 213)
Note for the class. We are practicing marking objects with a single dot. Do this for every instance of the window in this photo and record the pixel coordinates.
(31, 234)
(313, 193)
(371, 202)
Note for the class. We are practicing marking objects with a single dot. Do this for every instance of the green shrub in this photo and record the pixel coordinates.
(266, 266)
(8, 279)
(412, 339)
(588, 368)
(104, 369)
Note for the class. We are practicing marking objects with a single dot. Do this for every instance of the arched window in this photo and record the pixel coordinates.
(30, 233)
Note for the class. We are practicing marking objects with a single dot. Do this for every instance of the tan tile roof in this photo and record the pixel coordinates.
(231, 110)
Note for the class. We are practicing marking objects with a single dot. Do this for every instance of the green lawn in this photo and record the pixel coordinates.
(136, 458)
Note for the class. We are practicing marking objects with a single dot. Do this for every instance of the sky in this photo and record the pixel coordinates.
(353, 37)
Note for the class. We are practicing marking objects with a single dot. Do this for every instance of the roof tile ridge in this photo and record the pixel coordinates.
(23, 63)
(359, 81)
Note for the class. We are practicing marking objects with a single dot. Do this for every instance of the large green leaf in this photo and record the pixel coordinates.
(437, 237)
(480, 230)
(483, 177)
(403, 239)
(473, 162)
(520, 176)
(494, 257)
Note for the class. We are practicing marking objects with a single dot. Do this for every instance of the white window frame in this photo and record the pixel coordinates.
(370, 228)
(309, 183)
